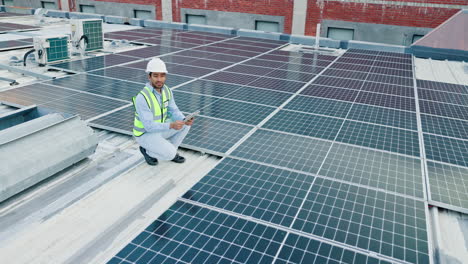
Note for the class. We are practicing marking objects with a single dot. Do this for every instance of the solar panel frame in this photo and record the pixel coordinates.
(444, 126)
(383, 116)
(93, 63)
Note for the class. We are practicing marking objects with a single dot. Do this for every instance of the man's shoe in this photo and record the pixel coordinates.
(150, 160)
(178, 159)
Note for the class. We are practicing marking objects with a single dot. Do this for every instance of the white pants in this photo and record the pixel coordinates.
(163, 146)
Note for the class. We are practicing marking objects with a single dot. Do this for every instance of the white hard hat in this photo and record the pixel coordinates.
(156, 65)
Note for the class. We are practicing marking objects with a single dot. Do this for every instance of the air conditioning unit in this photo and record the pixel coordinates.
(87, 33)
(51, 49)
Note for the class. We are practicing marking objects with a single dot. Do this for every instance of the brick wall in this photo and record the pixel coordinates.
(156, 3)
(262, 7)
(389, 14)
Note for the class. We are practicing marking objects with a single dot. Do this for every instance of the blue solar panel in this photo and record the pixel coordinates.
(441, 109)
(443, 87)
(94, 63)
(444, 97)
(445, 149)
(331, 92)
(316, 105)
(289, 151)
(444, 126)
(385, 100)
(390, 89)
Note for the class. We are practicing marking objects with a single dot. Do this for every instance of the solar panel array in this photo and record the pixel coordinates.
(16, 44)
(326, 158)
(12, 27)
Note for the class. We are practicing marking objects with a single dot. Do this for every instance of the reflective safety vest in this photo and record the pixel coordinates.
(159, 111)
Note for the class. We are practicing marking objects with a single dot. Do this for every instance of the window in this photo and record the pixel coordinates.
(48, 5)
(195, 19)
(8, 2)
(416, 38)
(142, 14)
(340, 33)
(266, 26)
(87, 9)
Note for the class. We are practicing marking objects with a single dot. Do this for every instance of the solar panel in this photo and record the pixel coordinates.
(204, 87)
(285, 150)
(298, 249)
(38, 93)
(230, 77)
(312, 62)
(192, 234)
(291, 75)
(440, 86)
(380, 137)
(148, 52)
(338, 82)
(448, 185)
(331, 92)
(350, 66)
(362, 62)
(214, 135)
(172, 58)
(357, 75)
(168, 43)
(446, 149)
(241, 47)
(388, 172)
(305, 124)
(187, 70)
(316, 105)
(447, 110)
(225, 57)
(388, 89)
(277, 84)
(85, 105)
(385, 100)
(372, 220)
(120, 37)
(93, 63)
(15, 44)
(6, 26)
(359, 56)
(245, 113)
(113, 88)
(437, 96)
(383, 116)
(211, 64)
(264, 63)
(312, 69)
(189, 102)
(252, 70)
(253, 190)
(444, 126)
(120, 121)
(392, 65)
(259, 96)
(390, 79)
(272, 57)
(392, 72)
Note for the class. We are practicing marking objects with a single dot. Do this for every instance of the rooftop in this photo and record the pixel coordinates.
(299, 155)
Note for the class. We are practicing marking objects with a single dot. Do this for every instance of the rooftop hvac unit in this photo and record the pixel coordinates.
(87, 34)
(51, 49)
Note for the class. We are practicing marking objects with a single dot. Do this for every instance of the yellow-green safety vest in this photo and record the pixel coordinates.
(159, 111)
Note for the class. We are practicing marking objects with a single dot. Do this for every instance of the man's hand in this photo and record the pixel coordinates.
(177, 125)
(190, 122)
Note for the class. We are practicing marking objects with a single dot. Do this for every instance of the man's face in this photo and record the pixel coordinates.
(157, 79)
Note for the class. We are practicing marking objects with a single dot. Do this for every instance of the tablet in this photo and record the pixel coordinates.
(191, 116)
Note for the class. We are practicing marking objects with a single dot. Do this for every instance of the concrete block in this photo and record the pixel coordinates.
(212, 29)
(19, 10)
(36, 150)
(310, 41)
(116, 20)
(57, 13)
(78, 15)
(137, 22)
(354, 44)
(259, 34)
(163, 24)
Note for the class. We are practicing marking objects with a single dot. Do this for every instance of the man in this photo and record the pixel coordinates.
(158, 125)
